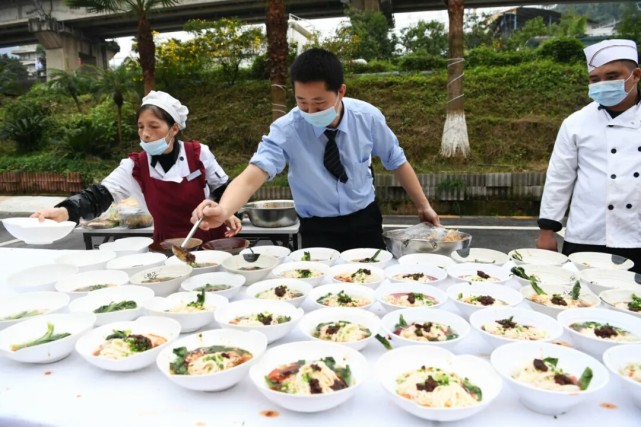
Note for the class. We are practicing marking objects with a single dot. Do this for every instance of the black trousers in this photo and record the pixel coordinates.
(633, 254)
(361, 229)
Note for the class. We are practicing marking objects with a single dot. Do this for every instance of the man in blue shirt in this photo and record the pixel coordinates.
(328, 141)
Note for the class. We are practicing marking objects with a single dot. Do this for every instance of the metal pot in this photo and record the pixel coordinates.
(399, 243)
(270, 213)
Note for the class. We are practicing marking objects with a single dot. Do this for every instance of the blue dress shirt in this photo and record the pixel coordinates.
(362, 133)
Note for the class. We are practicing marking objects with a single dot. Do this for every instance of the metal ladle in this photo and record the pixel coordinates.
(252, 257)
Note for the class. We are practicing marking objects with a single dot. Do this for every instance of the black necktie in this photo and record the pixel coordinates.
(332, 159)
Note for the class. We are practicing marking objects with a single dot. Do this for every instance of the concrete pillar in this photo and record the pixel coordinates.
(365, 4)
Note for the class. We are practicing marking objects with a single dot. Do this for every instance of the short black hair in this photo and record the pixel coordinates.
(318, 65)
(629, 64)
(158, 112)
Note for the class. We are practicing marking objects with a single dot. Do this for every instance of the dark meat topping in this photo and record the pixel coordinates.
(485, 300)
(558, 300)
(332, 329)
(429, 385)
(507, 323)
(411, 298)
(482, 274)
(605, 331)
(280, 291)
(414, 276)
(315, 367)
(339, 384)
(540, 365)
(563, 379)
(314, 386)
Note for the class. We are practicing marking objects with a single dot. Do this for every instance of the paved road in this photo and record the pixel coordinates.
(503, 234)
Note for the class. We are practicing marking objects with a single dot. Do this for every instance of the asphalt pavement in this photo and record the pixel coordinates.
(500, 233)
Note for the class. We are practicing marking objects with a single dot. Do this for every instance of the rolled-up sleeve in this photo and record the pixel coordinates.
(270, 156)
(216, 176)
(386, 146)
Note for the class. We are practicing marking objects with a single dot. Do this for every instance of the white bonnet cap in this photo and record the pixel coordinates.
(610, 50)
(170, 104)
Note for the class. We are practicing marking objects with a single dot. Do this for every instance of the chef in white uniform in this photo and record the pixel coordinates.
(595, 167)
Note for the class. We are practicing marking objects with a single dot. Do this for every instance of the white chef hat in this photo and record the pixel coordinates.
(610, 50)
(170, 104)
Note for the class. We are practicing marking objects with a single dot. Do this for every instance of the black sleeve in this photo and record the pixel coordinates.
(88, 204)
(549, 224)
(218, 193)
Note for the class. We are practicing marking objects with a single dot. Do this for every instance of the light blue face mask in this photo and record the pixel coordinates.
(155, 148)
(323, 118)
(610, 92)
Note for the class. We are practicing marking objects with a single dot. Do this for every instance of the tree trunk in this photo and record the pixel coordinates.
(455, 137)
(147, 52)
(277, 55)
(119, 101)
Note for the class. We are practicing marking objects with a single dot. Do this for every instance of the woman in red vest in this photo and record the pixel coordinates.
(168, 178)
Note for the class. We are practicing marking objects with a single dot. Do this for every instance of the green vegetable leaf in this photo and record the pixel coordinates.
(380, 338)
(179, 365)
(576, 290)
(200, 301)
(586, 377)
(49, 336)
(536, 287)
(473, 389)
(401, 322)
(551, 361)
(116, 334)
(517, 256)
(307, 256)
(116, 306)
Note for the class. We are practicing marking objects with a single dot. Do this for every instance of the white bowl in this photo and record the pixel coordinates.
(236, 263)
(618, 299)
(480, 256)
(602, 279)
(520, 316)
(460, 291)
(265, 286)
(435, 260)
(318, 269)
(88, 279)
(251, 341)
(234, 281)
(468, 272)
(40, 277)
(355, 316)
(616, 359)
(216, 257)
(161, 326)
(176, 274)
(355, 256)
(132, 264)
(248, 307)
(592, 344)
(583, 260)
(309, 351)
(279, 252)
(361, 296)
(325, 255)
(548, 274)
(388, 289)
(87, 260)
(427, 274)
(128, 245)
(391, 365)
(425, 315)
(372, 280)
(73, 323)
(584, 295)
(24, 305)
(510, 358)
(101, 297)
(537, 256)
(33, 232)
(189, 321)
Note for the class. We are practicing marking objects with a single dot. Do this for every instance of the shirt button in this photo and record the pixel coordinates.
(182, 158)
(629, 206)
(613, 151)
(610, 207)
(613, 176)
(636, 174)
(639, 148)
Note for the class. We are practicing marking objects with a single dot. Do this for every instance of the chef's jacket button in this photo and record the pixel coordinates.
(613, 176)
(639, 148)
(610, 207)
(613, 151)
(636, 174)
(610, 126)
(629, 206)
(182, 158)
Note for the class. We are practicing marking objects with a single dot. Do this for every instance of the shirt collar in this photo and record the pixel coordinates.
(342, 125)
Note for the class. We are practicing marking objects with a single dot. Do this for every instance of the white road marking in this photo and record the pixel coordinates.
(9, 242)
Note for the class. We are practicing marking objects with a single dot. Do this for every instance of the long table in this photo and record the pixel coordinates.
(74, 393)
(283, 236)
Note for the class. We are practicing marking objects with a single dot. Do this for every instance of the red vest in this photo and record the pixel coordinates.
(171, 203)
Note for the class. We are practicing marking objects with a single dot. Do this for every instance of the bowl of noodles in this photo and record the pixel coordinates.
(352, 327)
(625, 363)
(211, 360)
(425, 238)
(434, 384)
(192, 310)
(309, 376)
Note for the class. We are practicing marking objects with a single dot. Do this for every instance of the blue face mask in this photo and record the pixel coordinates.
(155, 148)
(323, 118)
(610, 92)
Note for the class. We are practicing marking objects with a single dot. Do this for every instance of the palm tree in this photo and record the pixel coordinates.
(277, 55)
(117, 83)
(141, 9)
(455, 129)
(72, 84)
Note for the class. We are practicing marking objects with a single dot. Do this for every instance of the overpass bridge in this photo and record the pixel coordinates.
(74, 36)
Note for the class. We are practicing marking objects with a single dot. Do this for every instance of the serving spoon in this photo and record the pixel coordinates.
(252, 257)
(180, 251)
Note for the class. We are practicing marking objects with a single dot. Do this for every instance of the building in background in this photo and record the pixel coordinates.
(29, 57)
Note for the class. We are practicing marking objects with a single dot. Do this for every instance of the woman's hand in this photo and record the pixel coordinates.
(213, 215)
(56, 214)
(428, 214)
(234, 226)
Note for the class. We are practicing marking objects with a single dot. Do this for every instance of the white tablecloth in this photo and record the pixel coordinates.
(72, 392)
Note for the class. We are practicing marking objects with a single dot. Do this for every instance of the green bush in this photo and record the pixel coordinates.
(566, 50)
(26, 121)
(421, 62)
(488, 56)
(374, 66)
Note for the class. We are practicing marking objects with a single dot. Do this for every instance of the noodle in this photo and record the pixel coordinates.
(433, 387)
(341, 331)
(316, 377)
